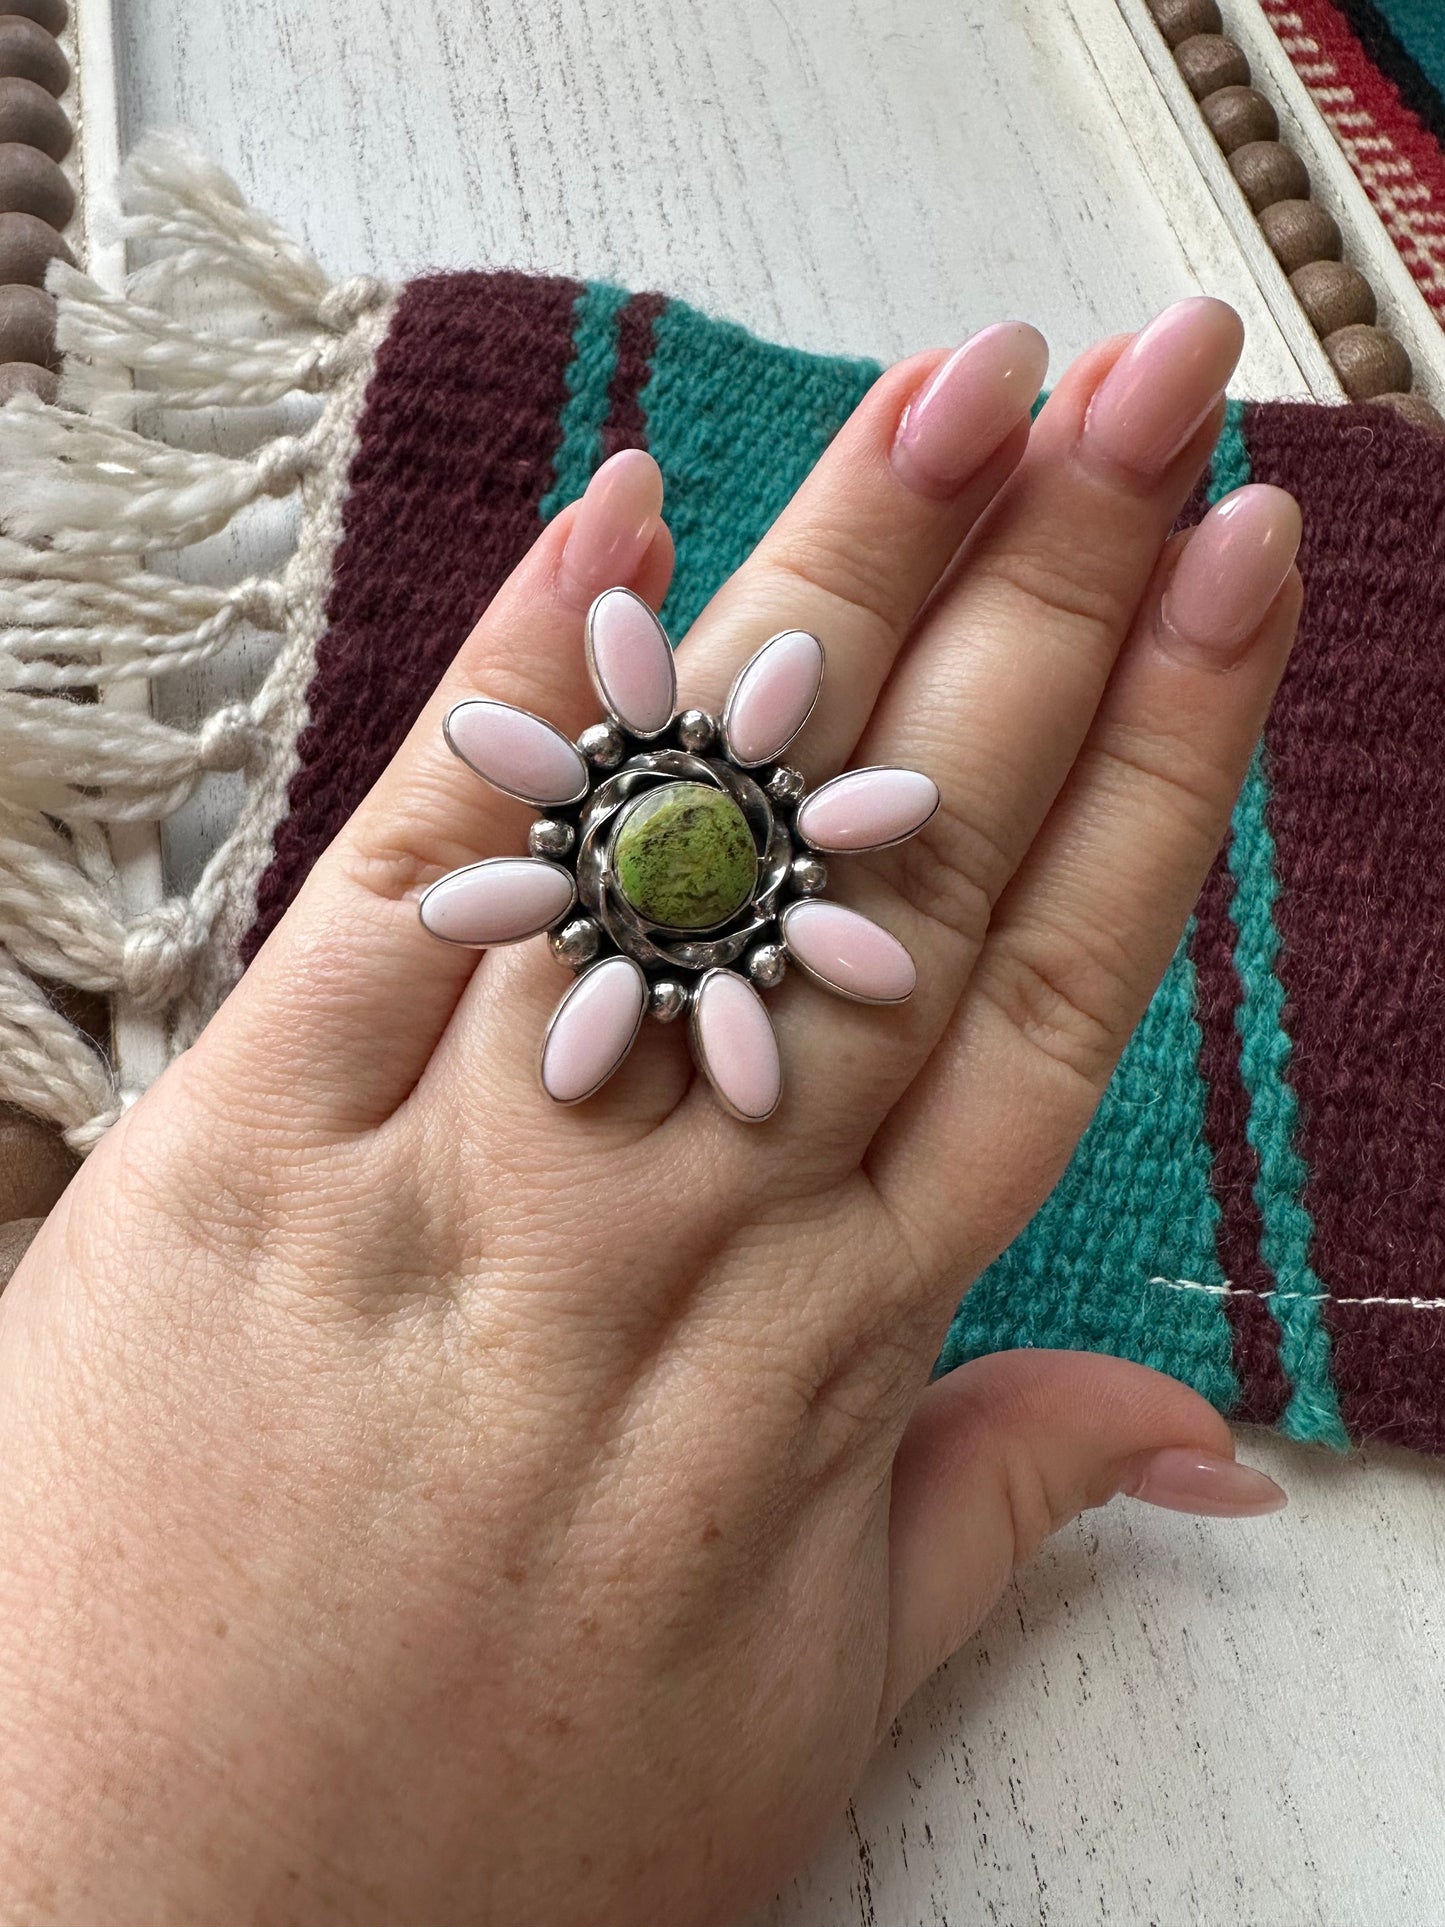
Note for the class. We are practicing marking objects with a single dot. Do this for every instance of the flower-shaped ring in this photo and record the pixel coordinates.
(678, 865)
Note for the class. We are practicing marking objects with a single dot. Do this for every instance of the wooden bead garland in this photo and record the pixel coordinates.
(1337, 300)
(36, 198)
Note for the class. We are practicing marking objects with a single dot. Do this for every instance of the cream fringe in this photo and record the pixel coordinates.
(90, 487)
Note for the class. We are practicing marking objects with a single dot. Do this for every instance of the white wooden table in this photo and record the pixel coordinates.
(1165, 1721)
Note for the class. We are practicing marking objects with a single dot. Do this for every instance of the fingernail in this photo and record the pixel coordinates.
(982, 392)
(1231, 570)
(1215, 1488)
(616, 520)
(1163, 385)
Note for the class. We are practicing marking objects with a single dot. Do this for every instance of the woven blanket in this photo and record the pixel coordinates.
(1256, 1208)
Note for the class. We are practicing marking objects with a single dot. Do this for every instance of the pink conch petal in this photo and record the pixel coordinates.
(593, 1029)
(517, 753)
(773, 697)
(631, 663)
(735, 1045)
(867, 809)
(501, 900)
(849, 953)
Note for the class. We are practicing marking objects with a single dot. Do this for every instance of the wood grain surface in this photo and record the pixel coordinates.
(1165, 1721)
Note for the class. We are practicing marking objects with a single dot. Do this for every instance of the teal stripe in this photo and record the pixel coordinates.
(1419, 26)
(1136, 1202)
(589, 383)
(1288, 1230)
(734, 452)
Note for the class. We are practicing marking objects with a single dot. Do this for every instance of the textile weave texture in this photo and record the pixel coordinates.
(1256, 1208)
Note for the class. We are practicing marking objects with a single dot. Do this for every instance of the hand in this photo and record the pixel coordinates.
(426, 1504)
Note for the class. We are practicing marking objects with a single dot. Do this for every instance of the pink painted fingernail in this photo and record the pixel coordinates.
(616, 520)
(1163, 386)
(982, 392)
(1231, 570)
(1215, 1488)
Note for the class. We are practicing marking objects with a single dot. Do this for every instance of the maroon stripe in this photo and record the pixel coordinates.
(1357, 780)
(455, 452)
(626, 425)
(1234, 1164)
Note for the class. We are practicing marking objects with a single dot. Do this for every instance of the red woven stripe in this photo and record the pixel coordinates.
(455, 451)
(626, 425)
(1357, 780)
(1234, 1169)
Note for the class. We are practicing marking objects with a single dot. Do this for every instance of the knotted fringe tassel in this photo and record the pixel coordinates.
(88, 489)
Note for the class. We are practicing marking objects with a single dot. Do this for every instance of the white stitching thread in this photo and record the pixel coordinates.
(1294, 1297)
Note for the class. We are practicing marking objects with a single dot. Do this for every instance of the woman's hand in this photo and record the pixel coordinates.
(425, 1504)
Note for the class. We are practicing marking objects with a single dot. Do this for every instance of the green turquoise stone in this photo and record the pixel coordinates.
(684, 856)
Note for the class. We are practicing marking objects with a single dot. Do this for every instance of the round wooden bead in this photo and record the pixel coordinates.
(29, 114)
(27, 325)
(28, 245)
(1268, 171)
(1369, 362)
(1414, 409)
(1179, 19)
(50, 14)
(29, 53)
(24, 378)
(1300, 231)
(31, 183)
(1208, 62)
(1333, 295)
(1239, 114)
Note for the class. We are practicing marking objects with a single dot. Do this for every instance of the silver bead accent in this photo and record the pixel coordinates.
(667, 1000)
(809, 875)
(576, 943)
(602, 745)
(550, 837)
(696, 730)
(767, 965)
(784, 784)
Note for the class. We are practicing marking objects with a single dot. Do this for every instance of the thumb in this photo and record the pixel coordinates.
(1007, 1449)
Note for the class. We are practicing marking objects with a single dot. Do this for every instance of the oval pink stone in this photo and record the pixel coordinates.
(849, 953)
(735, 1044)
(592, 1029)
(773, 697)
(867, 809)
(502, 900)
(631, 663)
(517, 752)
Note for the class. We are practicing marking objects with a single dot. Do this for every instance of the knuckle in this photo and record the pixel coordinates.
(1177, 777)
(853, 582)
(1073, 590)
(952, 874)
(1067, 996)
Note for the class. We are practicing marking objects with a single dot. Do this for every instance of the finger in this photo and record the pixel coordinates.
(348, 997)
(863, 543)
(996, 691)
(852, 559)
(1084, 932)
(1008, 1449)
